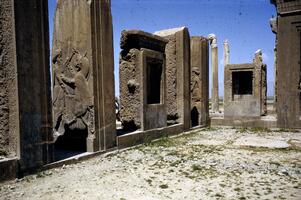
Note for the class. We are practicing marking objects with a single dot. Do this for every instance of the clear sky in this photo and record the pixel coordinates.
(245, 23)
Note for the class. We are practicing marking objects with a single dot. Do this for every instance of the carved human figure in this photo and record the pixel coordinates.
(196, 83)
(75, 108)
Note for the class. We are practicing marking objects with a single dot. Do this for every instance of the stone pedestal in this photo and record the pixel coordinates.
(25, 98)
(214, 64)
(177, 75)
(142, 81)
(83, 74)
(199, 81)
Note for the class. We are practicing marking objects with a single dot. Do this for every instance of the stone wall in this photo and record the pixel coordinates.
(288, 48)
(9, 124)
(142, 52)
(25, 128)
(177, 75)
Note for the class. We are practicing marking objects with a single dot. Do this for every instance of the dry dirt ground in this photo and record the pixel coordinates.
(213, 163)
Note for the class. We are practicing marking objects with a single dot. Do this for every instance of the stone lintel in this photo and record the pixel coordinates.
(140, 39)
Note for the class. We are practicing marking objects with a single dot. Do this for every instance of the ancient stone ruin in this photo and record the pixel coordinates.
(288, 70)
(177, 75)
(25, 98)
(83, 76)
(199, 81)
(142, 81)
(164, 82)
(245, 89)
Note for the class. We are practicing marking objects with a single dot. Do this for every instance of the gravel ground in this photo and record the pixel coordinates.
(203, 164)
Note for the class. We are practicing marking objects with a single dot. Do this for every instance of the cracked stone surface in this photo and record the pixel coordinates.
(202, 164)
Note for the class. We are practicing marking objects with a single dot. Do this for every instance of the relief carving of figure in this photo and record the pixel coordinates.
(196, 83)
(72, 99)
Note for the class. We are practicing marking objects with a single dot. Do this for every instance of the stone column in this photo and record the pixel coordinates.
(214, 63)
(25, 95)
(226, 56)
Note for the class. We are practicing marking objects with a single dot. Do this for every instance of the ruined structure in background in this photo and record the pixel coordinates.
(288, 67)
(142, 81)
(226, 53)
(83, 76)
(177, 75)
(199, 81)
(25, 98)
(214, 66)
(245, 93)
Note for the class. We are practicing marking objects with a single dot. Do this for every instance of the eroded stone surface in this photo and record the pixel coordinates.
(83, 78)
(177, 75)
(142, 80)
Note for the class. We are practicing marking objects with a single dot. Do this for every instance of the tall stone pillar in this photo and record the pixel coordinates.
(214, 64)
(83, 74)
(199, 81)
(25, 95)
(226, 53)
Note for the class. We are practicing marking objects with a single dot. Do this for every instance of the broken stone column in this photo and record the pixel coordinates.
(214, 63)
(199, 81)
(226, 56)
(25, 95)
(177, 75)
(262, 68)
(142, 81)
(83, 74)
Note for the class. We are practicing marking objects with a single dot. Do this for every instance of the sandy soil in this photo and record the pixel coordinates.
(214, 163)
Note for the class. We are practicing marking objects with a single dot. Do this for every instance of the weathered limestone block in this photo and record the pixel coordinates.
(25, 98)
(83, 73)
(288, 69)
(199, 81)
(142, 80)
(177, 75)
(214, 63)
(245, 89)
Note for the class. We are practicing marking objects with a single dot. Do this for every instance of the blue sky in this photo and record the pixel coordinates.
(245, 23)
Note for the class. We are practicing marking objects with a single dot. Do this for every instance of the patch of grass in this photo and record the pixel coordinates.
(196, 167)
(237, 189)
(149, 181)
(162, 142)
(163, 186)
(242, 130)
(260, 130)
(209, 129)
(284, 130)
